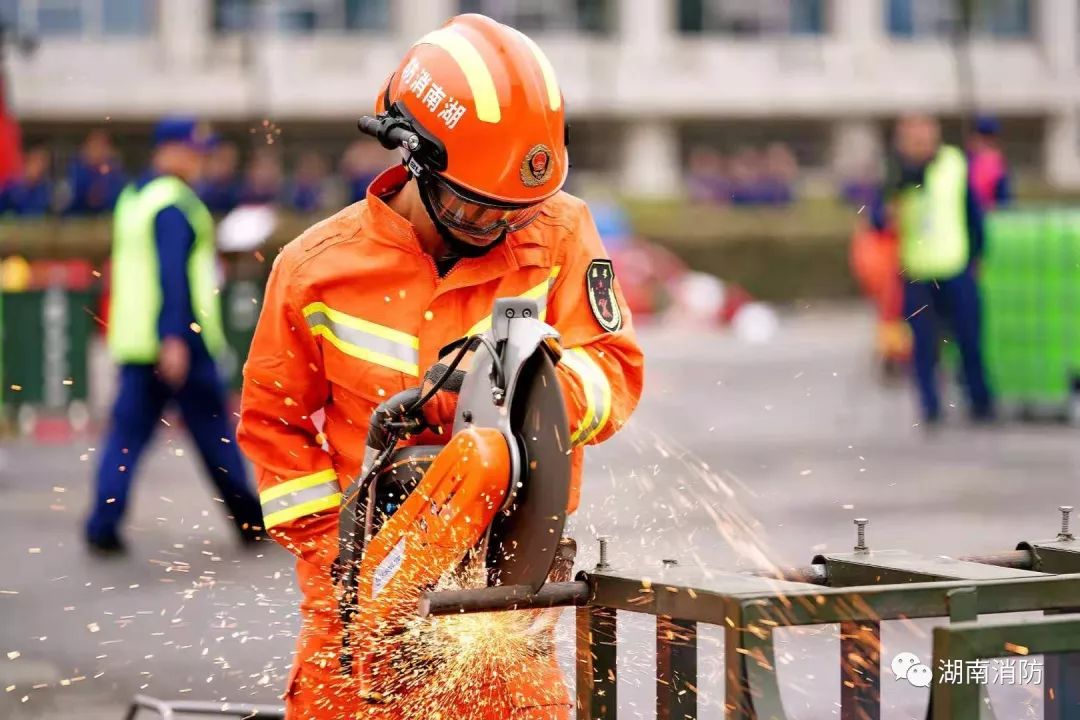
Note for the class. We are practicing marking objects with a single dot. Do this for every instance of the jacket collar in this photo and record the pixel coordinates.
(384, 224)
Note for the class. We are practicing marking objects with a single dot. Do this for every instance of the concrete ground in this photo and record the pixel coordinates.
(738, 455)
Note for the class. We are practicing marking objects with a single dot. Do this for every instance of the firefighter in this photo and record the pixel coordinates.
(164, 330)
(359, 306)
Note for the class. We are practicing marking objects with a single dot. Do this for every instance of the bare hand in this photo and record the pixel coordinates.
(174, 362)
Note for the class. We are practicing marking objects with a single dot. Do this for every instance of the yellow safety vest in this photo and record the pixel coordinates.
(934, 234)
(135, 302)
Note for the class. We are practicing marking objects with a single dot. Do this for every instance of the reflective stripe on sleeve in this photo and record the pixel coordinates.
(365, 340)
(597, 394)
(302, 496)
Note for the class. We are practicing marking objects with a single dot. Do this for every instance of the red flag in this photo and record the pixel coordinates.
(10, 141)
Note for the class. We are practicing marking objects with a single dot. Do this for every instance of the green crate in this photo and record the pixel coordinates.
(46, 339)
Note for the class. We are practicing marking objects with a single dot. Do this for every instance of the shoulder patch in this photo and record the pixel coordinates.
(600, 286)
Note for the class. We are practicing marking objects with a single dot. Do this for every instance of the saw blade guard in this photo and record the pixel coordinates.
(512, 386)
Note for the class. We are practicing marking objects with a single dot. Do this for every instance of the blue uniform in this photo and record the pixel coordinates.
(27, 199)
(143, 396)
(94, 190)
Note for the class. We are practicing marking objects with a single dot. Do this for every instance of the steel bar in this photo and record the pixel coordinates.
(814, 574)
(860, 670)
(596, 656)
(1020, 559)
(676, 669)
(504, 597)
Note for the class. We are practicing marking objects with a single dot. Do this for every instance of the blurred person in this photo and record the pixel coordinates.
(781, 171)
(747, 174)
(31, 195)
(264, 179)
(361, 164)
(164, 330)
(939, 225)
(308, 192)
(414, 267)
(219, 187)
(95, 177)
(705, 181)
(875, 263)
(989, 169)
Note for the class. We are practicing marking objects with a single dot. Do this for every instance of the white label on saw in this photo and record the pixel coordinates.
(388, 568)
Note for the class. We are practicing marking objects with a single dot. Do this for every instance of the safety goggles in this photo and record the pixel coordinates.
(475, 216)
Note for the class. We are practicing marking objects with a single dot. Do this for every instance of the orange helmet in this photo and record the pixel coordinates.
(488, 127)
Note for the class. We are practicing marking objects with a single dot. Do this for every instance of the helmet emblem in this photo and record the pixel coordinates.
(536, 167)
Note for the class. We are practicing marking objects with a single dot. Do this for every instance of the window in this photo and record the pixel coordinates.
(9, 14)
(753, 17)
(234, 15)
(584, 16)
(81, 18)
(59, 17)
(307, 16)
(127, 17)
(300, 17)
(935, 18)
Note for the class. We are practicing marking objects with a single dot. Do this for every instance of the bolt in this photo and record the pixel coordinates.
(412, 143)
(1065, 534)
(860, 544)
(603, 563)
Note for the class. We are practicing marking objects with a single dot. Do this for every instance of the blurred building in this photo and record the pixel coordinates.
(646, 81)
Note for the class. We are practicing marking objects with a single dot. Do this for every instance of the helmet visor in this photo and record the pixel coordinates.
(476, 216)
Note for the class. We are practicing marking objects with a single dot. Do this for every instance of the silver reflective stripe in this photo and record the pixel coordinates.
(365, 340)
(299, 497)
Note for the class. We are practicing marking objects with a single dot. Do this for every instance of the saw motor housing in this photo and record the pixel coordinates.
(498, 489)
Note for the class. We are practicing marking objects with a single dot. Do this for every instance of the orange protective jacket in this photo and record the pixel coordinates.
(354, 312)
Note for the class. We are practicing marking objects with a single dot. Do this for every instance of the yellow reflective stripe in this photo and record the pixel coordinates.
(365, 340)
(309, 508)
(360, 353)
(297, 484)
(473, 66)
(539, 292)
(554, 96)
(394, 336)
(597, 391)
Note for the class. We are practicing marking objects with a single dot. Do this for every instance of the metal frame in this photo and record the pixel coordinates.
(858, 590)
(169, 710)
(1057, 638)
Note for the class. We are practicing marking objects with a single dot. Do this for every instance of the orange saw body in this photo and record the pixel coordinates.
(494, 496)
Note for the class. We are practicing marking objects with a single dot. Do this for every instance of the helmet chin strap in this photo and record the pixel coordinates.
(456, 246)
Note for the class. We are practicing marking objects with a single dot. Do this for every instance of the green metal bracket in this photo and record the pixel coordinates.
(969, 641)
(1058, 556)
(891, 567)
